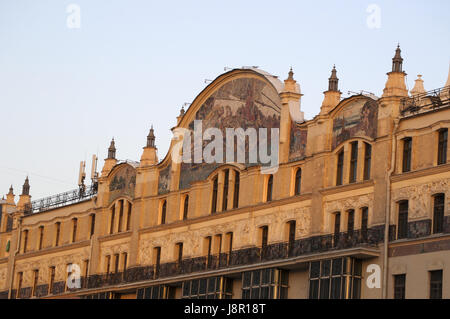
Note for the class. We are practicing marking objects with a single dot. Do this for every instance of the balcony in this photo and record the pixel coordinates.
(425, 102)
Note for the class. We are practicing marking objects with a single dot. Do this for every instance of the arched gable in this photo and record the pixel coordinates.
(121, 181)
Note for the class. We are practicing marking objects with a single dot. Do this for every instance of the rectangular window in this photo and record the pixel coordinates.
(130, 207)
(225, 191)
(124, 265)
(41, 237)
(208, 288)
(337, 227)
(107, 264)
(116, 263)
(154, 292)
(364, 221)
(402, 220)
(52, 279)
(25, 240)
(367, 160)
(214, 196)
(58, 232)
(19, 284)
(353, 162)
(179, 248)
(298, 181)
(92, 225)
(236, 190)
(399, 286)
(436, 284)
(269, 188)
(350, 221)
(208, 246)
(264, 240)
(74, 230)
(340, 168)
(229, 248)
(86, 273)
(407, 151)
(186, 207)
(35, 282)
(119, 227)
(156, 260)
(291, 238)
(442, 146)
(265, 284)
(339, 278)
(438, 213)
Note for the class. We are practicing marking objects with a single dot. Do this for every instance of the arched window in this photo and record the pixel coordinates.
(298, 181)
(269, 188)
(340, 168)
(185, 207)
(214, 196)
(163, 212)
(236, 190)
(225, 190)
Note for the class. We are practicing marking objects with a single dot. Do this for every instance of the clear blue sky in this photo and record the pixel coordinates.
(64, 93)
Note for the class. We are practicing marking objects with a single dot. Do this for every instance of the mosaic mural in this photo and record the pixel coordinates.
(297, 144)
(359, 118)
(164, 180)
(122, 183)
(245, 103)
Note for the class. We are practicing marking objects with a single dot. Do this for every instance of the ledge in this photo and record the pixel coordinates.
(53, 249)
(438, 169)
(346, 187)
(114, 236)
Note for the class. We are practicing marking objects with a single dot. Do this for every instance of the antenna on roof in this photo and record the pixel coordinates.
(82, 174)
(94, 173)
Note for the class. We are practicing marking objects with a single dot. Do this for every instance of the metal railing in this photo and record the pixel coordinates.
(425, 102)
(62, 199)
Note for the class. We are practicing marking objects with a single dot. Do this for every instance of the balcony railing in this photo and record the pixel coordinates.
(425, 102)
(62, 199)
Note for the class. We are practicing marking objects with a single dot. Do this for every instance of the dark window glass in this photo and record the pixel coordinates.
(269, 188)
(407, 151)
(130, 207)
(353, 162)
(236, 190)
(298, 181)
(340, 168)
(74, 230)
(403, 219)
(438, 213)
(113, 213)
(291, 239)
(180, 253)
(337, 223)
(92, 225)
(367, 160)
(214, 196)
(225, 191)
(264, 236)
(351, 221)
(163, 212)
(436, 284)
(442, 146)
(186, 207)
(25, 240)
(41, 236)
(120, 216)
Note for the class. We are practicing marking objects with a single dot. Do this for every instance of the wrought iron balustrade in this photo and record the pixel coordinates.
(424, 102)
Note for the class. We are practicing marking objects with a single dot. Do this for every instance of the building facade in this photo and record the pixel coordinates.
(358, 206)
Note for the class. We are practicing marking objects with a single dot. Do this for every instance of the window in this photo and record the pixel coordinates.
(265, 284)
(236, 190)
(25, 240)
(337, 223)
(339, 278)
(442, 146)
(41, 237)
(92, 216)
(264, 239)
(436, 284)
(208, 248)
(19, 284)
(116, 263)
(179, 252)
(291, 236)
(214, 196)
(156, 260)
(130, 207)
(113, 213)
(225, 191)
(367, 160)
(438, 213)
(107, 264)
(69, 271)
(399, 286)
(364, 221)
(163, 212)
(350, 221)
(52, 279)
(402, 220)
(125, 260)
(121, 203)
(269, 188)
(229, 246)
(86, 273)
(154, 292)
(353, 162)
(35, 282)
(407, 150)
(58, 232)
(185, 207)
(298, 181)
(340, 168)
(74, 229)
(208, 288)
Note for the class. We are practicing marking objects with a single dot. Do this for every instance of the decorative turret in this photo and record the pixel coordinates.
(112, 150)
(25, 199)
(10, 196)
(448, 79)
(110, 161)
(180, 117)
(290, 112)
(418, 86)
(333, 95)
(395, 85)
(26, 187)
(149, 156)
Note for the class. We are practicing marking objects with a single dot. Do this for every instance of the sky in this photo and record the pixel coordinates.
(68, 85)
